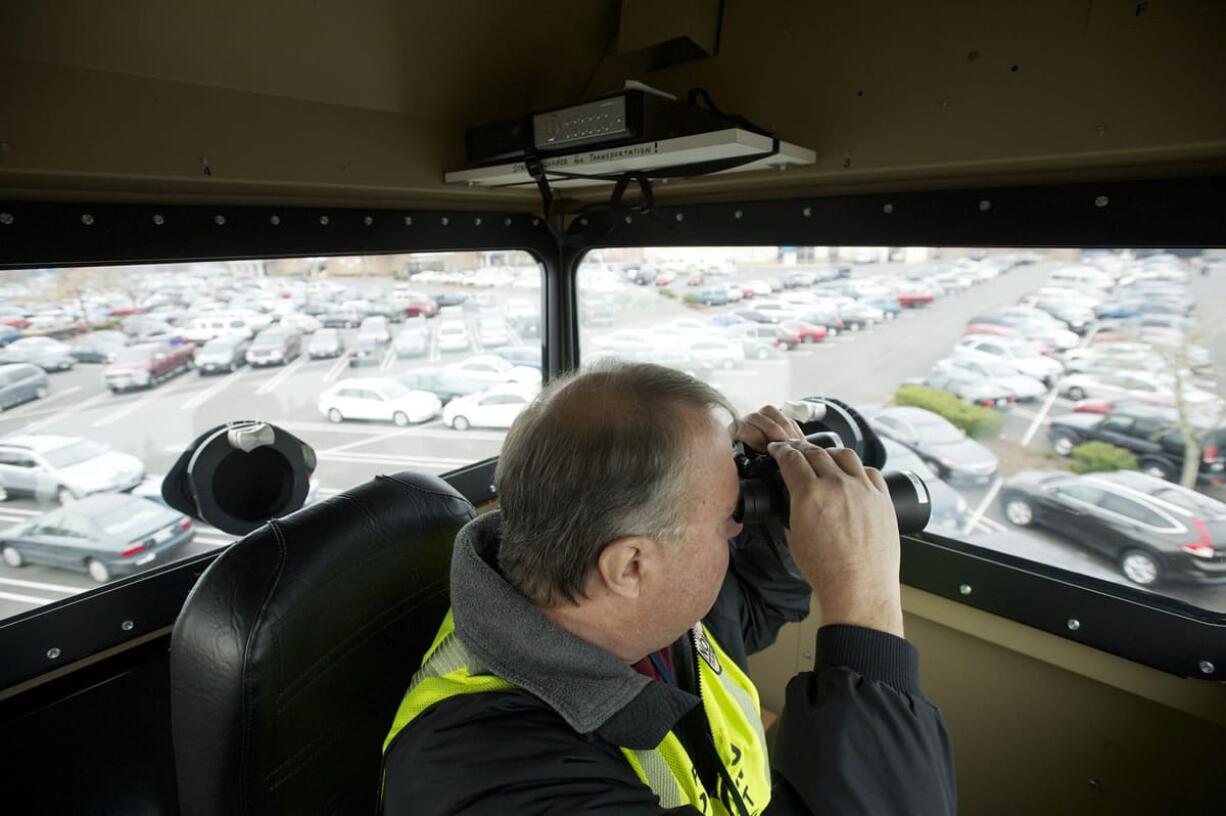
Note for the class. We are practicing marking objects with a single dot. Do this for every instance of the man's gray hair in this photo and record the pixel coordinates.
(598, 455)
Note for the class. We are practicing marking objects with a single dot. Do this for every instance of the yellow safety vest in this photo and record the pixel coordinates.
(728, 698)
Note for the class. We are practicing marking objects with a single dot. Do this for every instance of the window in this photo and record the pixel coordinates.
(1133, 510)
(127, 441)
(868, 357)
(1116, 424)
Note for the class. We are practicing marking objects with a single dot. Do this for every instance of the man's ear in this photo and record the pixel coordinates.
(620, 565)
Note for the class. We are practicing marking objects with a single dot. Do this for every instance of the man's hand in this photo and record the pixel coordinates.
(843, 536)
(759, 429)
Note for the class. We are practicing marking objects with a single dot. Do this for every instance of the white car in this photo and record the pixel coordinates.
(495, 408)
(452, 336)
(302, 322)
(716, 352)
(412, 341)
(1022, 356)
(377, 398)
(1130, 385)
(492, 332)
(66, 468)
(490, 369)
(1023, 386)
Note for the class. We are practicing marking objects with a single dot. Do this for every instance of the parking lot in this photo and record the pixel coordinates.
(860, 367)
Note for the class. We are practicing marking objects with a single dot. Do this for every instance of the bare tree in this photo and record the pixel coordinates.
(1196, 420)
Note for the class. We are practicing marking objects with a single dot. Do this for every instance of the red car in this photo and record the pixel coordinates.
(421, 308)
(787, 336)
(913, 298)
(16, 322)
(806, 332)
(147, 364)
(126, 311)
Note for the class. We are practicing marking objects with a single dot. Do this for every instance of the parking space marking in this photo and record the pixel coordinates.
(215, 389)
(14, 582)
(369, 441)
(399, 461)
(29, 599)
(284, 374)
(983, 506)
(65, 413)
(136, 404)
(38, 405)
(388, 360)
(1038, 419)
(423, 432)
(335, 369)
(991, 525)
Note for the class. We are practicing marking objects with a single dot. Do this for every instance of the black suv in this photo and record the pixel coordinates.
(1150, 432)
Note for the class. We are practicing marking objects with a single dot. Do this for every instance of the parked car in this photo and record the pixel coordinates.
(368, 350)
(21, 382)
(47, 354)
(274, 346)
(380, 398)
(106, 536)
(938, 442)
(524, 356)
(1021, 355)
(98, 347)
(452, 335)
(8, 334)
(418, 306)
(325, 343)
(949, 508)
(65, 468)
(207, 327)
(341, 319)
(492, 332)
(716, 352)
(496, 407)
(999, 372)
(761, 341)
(148, 364)
(485, 370)
(224, 353)
(413, 340)
(1156, 532)
(304, 323)
(1150, 432)
(807, 332)
(1138, 385)
(970, 387)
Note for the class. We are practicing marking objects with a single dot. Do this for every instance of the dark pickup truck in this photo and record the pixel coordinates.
(148, 364)
(1150, 433)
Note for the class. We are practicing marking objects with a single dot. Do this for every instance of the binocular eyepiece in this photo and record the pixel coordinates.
(829, 424)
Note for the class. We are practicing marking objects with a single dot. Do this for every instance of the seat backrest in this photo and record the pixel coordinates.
(296, 645)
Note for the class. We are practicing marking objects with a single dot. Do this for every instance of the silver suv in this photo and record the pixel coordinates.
(65, 468)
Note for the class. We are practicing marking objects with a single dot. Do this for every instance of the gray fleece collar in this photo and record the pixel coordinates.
(507, 636)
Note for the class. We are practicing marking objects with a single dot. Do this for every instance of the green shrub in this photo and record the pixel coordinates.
(974, 420)
(666, 292)
(690, 299)
(1097, 457)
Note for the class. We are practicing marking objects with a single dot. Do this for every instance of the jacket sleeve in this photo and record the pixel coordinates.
(857, 735)
(762, 591)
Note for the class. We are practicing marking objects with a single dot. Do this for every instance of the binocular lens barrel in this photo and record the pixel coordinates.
(767, 498)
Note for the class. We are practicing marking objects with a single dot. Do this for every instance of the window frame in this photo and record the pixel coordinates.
(1168, 213)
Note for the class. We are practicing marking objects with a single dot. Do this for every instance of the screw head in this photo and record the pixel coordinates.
(445, 220)
(583, 222)
(1101, 201)
(629, 219)
(275, 220)
(1074, 624)
(1206, 667)
(159, 219)
(506, 222)
(54, 653)
(367, 220)
(536, 222)
(6, 218)
(127, 626)
(324, 220)
(965, 589)
(738, 215)
(807, 211)
(219, 220)
(985, 205)
(408, 220)
(887, 209)
(87, 219)
(477, 221)
(680, 216)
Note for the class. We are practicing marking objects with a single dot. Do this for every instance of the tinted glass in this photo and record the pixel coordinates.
(637, 302)
(147, 427)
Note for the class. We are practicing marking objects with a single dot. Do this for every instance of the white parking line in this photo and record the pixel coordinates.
(370, 441)
(1039, 417)
(30, 599)
(399, 461)
(281, 376)
(443, 431)
(991, 525)
(38, 405)
(68, 590)
(983, 506)
(134, 405)
(215, 389)
(335, 370)
(66, 413)
(388, 360)
(20, 511)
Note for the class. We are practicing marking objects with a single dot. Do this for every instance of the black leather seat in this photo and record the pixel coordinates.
(295, 647)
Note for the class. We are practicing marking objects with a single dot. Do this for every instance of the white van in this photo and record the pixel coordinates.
(209, 327)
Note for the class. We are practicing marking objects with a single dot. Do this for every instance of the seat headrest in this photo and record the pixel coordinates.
(296, 645)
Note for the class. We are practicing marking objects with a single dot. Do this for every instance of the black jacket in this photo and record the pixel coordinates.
(856, 734)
